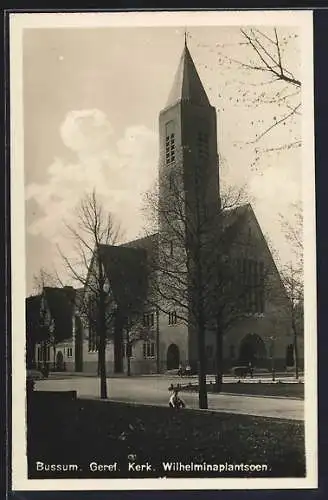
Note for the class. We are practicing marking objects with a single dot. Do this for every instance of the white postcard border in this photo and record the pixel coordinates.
(21, 21)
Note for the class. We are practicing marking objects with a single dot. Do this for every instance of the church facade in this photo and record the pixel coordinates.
(148, 336)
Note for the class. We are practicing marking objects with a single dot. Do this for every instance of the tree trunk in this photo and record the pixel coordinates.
(102, 368)
(44, 349)
(54, 356)
(102, 347)
(158, 367)
(219, 362)
(129, 364)
(202, 389)
(295, 349)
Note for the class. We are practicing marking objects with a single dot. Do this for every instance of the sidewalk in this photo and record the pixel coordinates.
(157, 394)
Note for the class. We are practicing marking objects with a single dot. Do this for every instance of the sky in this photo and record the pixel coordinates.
(91, 101)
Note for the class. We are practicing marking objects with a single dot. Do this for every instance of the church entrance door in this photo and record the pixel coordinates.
(252, 350)
(172, 357)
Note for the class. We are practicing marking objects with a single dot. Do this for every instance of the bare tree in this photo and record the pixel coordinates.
(268, 52)
(44, 278)
(293, 276)
(94, 227)
(135, 331)
(46, 327)
(264, 53)
(240, 284)
(181, 271)
(293, 231)
(194, 274)
(262, 77)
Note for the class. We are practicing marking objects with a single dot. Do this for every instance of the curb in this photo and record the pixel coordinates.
(200, 410)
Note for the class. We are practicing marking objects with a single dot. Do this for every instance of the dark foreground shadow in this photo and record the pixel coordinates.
(72, 438)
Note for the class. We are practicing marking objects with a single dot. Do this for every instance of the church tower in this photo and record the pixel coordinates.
(189, 161)
(188, 131)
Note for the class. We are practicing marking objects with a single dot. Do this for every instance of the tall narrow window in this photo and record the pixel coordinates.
(170, 146)
(172, 318)
(256, 287)
(202, 140)
(148, 319)
(261, 288)
(149, 349)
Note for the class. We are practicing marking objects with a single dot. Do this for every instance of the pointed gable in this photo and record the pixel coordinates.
(126, 269)
(187, 85)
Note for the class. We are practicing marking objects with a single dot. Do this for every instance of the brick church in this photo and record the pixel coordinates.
(152, 333)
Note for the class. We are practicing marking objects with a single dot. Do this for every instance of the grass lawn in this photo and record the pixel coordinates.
(286, 390)
(82, 431)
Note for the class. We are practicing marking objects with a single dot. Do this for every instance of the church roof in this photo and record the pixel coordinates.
(187, 85)
(126, 269)
(148, 243)
(233, 215)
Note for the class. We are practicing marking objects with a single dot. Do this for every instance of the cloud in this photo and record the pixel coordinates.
(277, 186)
(86, 131)
(119, 170)
(122, 169)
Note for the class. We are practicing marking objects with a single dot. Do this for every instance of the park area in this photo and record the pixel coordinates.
(66, 430)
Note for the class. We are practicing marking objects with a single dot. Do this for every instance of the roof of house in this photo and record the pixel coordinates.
(61, 306)
(32, 312)
(60, 302)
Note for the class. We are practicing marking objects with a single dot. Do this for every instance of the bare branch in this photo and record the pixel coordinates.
(276, 123)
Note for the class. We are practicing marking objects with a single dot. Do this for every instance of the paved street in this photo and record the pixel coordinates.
(154, 390)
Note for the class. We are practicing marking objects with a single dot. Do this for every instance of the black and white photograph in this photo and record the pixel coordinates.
(163, 250)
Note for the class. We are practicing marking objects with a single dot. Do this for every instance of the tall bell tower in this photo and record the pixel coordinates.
(188, 151)
(188, 133)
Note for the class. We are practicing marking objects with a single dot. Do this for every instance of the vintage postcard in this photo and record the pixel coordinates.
(163, 251)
